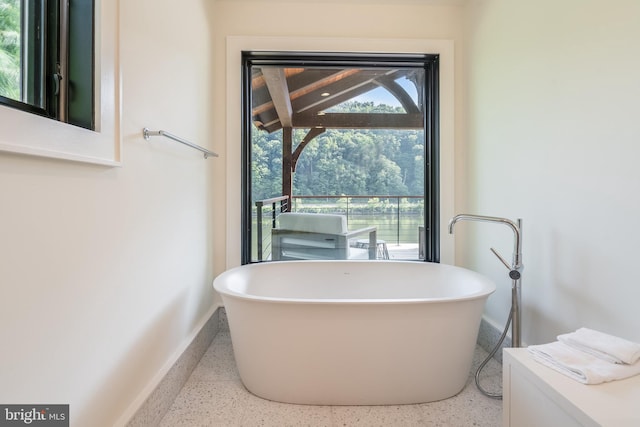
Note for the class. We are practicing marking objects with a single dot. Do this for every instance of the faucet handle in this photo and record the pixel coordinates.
(506, 264)
(514, 272)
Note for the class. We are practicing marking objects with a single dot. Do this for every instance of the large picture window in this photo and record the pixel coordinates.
(346, 138)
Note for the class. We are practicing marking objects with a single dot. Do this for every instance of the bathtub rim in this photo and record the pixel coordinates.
(220, 286)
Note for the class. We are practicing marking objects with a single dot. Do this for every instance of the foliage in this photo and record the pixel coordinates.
(10, 48)
(344, 161)
(266, 166)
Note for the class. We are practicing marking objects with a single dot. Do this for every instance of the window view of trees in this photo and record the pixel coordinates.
(344, 161)
(342, 135)
(10, 48)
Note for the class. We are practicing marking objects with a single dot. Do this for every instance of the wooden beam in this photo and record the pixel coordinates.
(276, 81)
(359, 121)
(287, 171)
(343, 86)
(350, 86)
(399, 93)
(321, 84)
(307, 138)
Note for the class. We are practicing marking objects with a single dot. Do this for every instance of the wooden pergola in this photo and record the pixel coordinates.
(290, 98)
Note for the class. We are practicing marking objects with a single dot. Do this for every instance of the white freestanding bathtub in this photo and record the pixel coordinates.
(353, 332)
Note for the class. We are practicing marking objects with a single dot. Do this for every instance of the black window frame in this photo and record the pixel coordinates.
(42, 30)
(430, 64)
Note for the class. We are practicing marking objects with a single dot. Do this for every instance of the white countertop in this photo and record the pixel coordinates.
(611, 404)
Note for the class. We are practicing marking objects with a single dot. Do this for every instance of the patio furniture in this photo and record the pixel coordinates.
(381, 247)
(318, 236)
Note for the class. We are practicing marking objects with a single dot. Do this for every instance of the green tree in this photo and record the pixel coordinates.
(10, 48)
(344, 161)
(266, 165)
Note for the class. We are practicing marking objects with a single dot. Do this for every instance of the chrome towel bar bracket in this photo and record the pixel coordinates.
(149, 133)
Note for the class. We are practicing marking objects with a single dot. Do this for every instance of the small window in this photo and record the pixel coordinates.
(46, 59)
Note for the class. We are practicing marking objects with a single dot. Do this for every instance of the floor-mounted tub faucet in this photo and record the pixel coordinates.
(515, 268)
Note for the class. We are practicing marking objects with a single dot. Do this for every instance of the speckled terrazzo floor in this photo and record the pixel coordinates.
(215, 396)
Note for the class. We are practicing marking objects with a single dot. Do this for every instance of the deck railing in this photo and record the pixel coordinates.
(397, 217)
(274, 207)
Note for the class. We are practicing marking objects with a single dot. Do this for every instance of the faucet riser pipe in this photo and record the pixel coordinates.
(515, 309)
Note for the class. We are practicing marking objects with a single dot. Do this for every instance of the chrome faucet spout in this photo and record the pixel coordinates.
(517, 246)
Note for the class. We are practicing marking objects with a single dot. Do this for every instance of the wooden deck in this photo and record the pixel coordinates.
(403, 251)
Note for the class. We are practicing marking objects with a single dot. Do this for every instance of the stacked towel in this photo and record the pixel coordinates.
(590, 357)
(604, 346)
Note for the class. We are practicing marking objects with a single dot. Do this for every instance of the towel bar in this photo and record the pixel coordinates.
(149, 133)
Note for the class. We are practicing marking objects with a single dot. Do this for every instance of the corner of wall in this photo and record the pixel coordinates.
(155, 400)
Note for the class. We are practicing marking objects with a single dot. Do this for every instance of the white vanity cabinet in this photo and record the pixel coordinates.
(537, 396)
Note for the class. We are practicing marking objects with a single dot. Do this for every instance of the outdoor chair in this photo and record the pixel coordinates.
(309, 236)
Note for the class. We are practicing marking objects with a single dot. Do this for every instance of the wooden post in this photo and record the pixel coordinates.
(287, 164)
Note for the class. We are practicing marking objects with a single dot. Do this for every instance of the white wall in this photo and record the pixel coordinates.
(106, 272)
(554, 138)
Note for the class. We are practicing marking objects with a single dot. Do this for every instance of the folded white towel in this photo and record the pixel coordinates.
(579, 365)
(608, 347)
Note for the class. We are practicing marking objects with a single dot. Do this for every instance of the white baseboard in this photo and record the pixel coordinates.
(153, 402)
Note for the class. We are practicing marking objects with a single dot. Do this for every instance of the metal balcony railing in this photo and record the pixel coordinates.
(399, 218)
